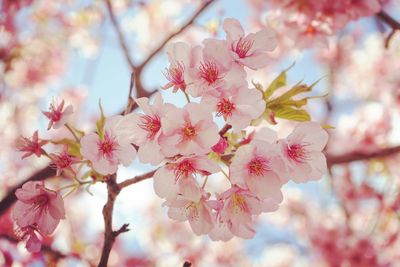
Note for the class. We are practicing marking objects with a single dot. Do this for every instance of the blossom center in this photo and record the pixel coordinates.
(209, 72)
(63, 160)
(107, 146)
(184, 168)
(55, 115)
(191, 211)
(242, 47)
(239, 204)
(175, 75)
(258, 166)
(297, 153)
(188, 132)
(225, 108)
(40, 201)
(151, 124)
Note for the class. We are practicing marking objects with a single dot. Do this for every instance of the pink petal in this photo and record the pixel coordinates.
(89, 148)
(56, 207)
(267, 186)
(150, 153)
(164, 184)
(33, 244)
(264, 40)
(47, 224)
(189, 189)
(256, 61)
(319, 165)
(233, 29)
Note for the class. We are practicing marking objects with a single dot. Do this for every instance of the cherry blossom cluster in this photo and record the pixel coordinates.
(307, 22)
(186, 143)
(258, 165)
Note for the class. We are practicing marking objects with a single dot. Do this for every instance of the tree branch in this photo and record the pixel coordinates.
(357, 156)
(110, 235)
(113, 189)
(394, 24)
(136, 179)
(385, 17)
(121, 37)
(190, 21)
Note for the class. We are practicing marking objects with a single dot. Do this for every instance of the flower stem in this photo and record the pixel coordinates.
(186, 96)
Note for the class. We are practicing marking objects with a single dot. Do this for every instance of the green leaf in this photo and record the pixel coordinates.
(299, 88)
(74, 149)
(292, 114)
(277, 83)
(100, 122)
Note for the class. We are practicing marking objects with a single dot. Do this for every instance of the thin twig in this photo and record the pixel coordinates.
(130, 103)
(357, 156)
(385, 17)
(189, 22)
(394, 24)
(136, 179)
(113, 189)
(109, 235)
(121, 37)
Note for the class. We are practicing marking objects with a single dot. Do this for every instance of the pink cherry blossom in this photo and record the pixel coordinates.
(31, 146)
(237, 104)
(63, 161)
(199, 214)
(302, 152)
(179, 177)
(27, 234)
(146, 128)
(114, 148)
(57, 115)
(39, 207)
(259, 167)
(181, 57)
(186, 131)
(213, 69)
(249, 50)
(237, 207)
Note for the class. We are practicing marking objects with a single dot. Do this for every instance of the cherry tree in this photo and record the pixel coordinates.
(236, 148)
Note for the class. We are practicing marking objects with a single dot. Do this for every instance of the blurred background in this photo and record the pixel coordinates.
(84, 51)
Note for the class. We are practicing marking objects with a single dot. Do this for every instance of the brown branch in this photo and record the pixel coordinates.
(394, 24)
(358, 156)
(385, 17)
(190, 21)
(136, 179)
(121, 37)
(113, 189)
(109, 235)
